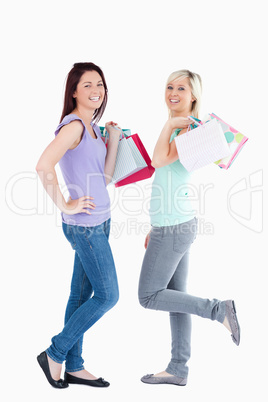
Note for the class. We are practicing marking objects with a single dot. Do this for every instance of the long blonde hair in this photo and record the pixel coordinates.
(195, 85)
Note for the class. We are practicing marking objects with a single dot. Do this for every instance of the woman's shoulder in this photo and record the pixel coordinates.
(71, 120)
(72, 117)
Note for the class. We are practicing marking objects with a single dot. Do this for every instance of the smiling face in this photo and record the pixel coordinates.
(89, 93)
(179, 97)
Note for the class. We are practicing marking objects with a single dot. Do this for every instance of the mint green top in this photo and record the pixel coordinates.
(170, 204)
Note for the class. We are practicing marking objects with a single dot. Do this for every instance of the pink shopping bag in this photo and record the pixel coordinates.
(142, 174)
(235, 140)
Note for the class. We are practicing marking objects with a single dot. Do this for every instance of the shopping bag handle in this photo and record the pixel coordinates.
(122, 135)
(195, 120)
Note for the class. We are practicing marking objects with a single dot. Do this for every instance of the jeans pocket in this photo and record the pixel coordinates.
(68, 232)
(184, 235)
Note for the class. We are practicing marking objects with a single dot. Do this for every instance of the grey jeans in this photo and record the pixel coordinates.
(163, 283)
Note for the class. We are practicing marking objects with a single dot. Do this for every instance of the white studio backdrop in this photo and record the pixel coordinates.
(137, 44)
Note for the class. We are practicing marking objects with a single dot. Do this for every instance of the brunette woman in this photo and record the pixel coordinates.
(87, 167)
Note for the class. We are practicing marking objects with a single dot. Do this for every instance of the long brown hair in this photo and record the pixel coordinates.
(73, 79)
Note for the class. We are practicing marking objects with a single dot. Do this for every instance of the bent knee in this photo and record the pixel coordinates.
(111, 300)
(143, 300)
(114, 300)
(148, 299)
(107, 300)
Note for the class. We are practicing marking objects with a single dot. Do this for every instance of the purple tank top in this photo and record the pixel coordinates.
(83, 172)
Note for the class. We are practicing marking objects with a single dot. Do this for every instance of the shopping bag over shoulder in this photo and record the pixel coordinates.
(235, 140)
(201, 146)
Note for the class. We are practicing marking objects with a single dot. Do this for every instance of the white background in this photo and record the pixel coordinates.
(137, 44)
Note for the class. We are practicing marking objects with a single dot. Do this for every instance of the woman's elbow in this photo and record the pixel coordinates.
(43, 167)
(39, 167)
(155, 163)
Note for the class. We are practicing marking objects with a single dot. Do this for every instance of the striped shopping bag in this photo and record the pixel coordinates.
(128, 160)
(144, 173)
(132, 163)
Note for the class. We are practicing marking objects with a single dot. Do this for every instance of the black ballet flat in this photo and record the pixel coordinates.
(42, 360)
(100, 382)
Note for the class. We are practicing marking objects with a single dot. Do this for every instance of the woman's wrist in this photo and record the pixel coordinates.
(170, 125)
(113, 141)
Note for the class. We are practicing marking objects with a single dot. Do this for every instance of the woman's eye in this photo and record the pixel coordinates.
(181, 89)
(170, 88)
(100, 85)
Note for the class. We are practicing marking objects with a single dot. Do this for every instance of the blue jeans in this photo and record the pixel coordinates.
(163, 286)
(94, 291)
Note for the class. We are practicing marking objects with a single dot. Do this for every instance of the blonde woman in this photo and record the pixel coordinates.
(163, 279)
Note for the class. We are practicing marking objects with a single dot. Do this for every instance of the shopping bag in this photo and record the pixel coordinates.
(142, 174)
(128, 160)
(202, 145)
(127, 170)
(235, 140)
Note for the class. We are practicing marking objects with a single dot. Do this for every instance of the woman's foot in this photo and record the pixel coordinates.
(162, 374)
(164, 378)
(83, 374)
(83, 377)
(54, 368)
(231, 322)
(226, 324)
(51, 370)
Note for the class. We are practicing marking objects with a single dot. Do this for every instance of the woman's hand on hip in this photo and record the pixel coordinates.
(147, 240)
(79, 205)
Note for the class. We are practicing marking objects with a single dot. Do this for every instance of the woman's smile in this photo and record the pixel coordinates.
(95, 98)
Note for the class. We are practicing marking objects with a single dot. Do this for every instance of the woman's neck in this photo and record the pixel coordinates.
(85, 115)
(180, 114)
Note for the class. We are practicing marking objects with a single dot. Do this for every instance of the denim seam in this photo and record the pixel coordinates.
(72, 236)
(96, 261)
(75, 334)
(152, 267)
(185, 243)
(80, 303)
